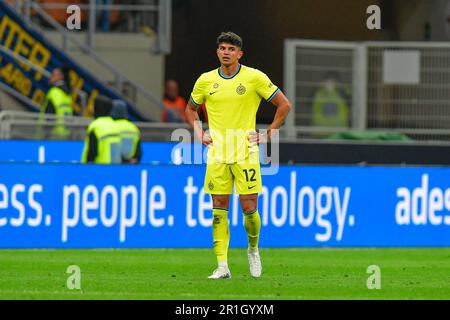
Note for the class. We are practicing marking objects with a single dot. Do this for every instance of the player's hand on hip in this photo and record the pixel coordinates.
(206, 139)
(255, 137)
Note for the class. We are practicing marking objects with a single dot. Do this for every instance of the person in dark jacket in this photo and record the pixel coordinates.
(103, 143)
(129, 133)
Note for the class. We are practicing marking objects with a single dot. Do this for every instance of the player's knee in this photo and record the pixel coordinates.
(220, 202)
(248, 206)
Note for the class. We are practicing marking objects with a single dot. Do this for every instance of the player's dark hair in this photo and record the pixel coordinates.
(231, 38)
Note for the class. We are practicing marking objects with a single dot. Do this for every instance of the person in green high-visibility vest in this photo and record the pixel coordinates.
(102, 144)
(329, 105)
(130, 134)
(58, 101)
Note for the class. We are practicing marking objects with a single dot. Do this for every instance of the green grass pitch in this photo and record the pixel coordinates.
(290, 273)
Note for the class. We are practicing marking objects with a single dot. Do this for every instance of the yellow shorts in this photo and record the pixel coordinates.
(219, 178)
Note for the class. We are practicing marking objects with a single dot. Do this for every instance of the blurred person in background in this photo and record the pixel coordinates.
(103, 16)
(130, 134)
(330, 103)
(102, 143)
(58, 101)
(174, 103)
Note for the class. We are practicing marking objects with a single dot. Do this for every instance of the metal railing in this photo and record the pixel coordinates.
(309, 64)
(416, 103)
(155, 102)
(23, 125)
(25, 100)
(423, 103)
(316, 133)
(162, 9)
(31, 125)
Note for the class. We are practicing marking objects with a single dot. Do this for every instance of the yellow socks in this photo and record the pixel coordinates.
(221, 235)
(252, 224)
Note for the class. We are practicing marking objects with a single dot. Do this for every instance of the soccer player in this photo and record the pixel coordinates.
(232, 94)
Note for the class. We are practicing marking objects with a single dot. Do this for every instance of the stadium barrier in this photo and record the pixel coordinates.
(394, 86)
(70, 151)
(302, 152)
(94, 206)
(21, 125)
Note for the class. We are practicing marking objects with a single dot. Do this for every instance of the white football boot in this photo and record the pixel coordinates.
(254, 263)
(221, 273)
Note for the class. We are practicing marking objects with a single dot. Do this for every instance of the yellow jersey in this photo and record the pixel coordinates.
(232, 103)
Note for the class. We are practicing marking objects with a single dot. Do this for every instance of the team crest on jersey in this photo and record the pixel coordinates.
(210, 185)
(215, 85)
(240, 89)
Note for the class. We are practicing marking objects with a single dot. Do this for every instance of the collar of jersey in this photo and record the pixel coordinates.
(232, 76)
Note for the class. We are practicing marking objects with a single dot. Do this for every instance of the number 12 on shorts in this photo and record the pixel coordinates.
(252, 171)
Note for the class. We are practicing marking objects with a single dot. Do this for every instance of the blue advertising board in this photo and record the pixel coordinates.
(115, 206)
(70, 151)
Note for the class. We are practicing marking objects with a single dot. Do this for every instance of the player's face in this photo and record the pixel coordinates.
(228, 54)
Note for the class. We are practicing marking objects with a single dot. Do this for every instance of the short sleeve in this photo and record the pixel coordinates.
(264, 86)
(197, 94)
